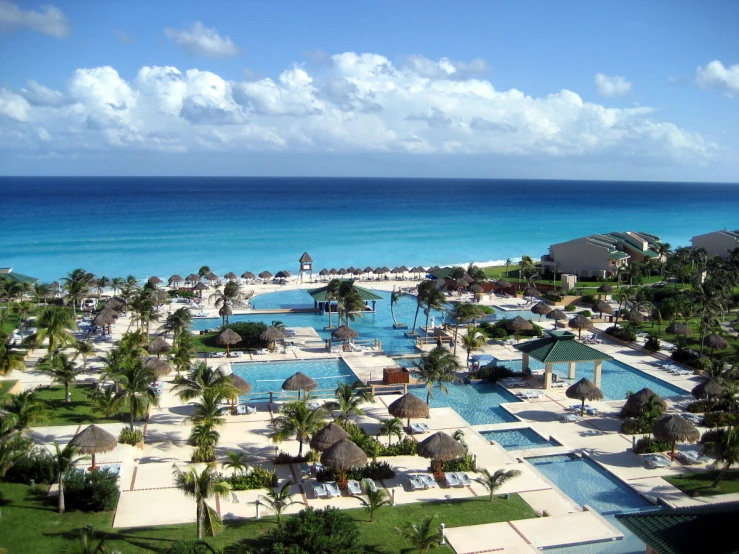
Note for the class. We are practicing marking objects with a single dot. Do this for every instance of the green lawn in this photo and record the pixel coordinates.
(6, 385)
(693, 341)
(699, 484)
(52, 532)
(201, 346)
(79, 411)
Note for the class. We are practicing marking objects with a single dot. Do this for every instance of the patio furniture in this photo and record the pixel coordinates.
(370, 484)
(695, 419)
(304, 469)
(569, 418)
(690, 457)
(317, 466)
(452, 480)
(241, 409)
(466, 481)
(415, 483)
(319, 490)
(333, 490)
(251, 409)
(314, 405)
(428, 481)
(656, 461)
(355, 489)
(419, 428)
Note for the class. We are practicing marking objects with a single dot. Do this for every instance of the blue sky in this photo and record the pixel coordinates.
(582, 90)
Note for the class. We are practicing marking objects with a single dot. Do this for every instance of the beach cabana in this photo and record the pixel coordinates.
(159, 346)
(271, 335)
(343, 455)
(192, 279)
(248, 275)
(299, 381)
(94, 440)
(344, 333)
(635, 317)
(200, 287)
(640, 402)
(160, 367)
(175, 280)
(265, 275)
(518, 324)
(557, 315)
(707, 390)
(561, 347)
(226, 338)
(439, 448)
(327, 437)
(408, 406)
(678, 329)
(584, 390)
(603, 307)
(212, 277)
(714, 341)
(580, 322)
(673, 428)
(540, 309)
(154, 280)
(231, 276)
(605, 288)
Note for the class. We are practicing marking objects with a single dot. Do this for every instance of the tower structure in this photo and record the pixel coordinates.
(306, 267)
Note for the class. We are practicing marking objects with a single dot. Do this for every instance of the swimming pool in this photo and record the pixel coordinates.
(478, 404)
(370, 325)
(269, 376)
(518, 439)
(617, 378)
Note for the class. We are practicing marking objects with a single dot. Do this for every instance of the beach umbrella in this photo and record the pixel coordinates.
(350, 269)
(299, 381)
(640, 402)
(333, 271)
(714, 341)
(677, 328)
(357, 272)
(343, 455)
(403, 269)
(557, 315)
(115, 304)
(344, 333)
(605, 288)
(440, 447)
(200, 287)
(634, 317)
(467, 277)
(160, 367)
(409, 406)
(176, 279)
(284, 274)
(395, 270)
(540, 309)
(418, 270)
(225, 311)
(271, 335)
(231, 276)
(226, 338)
(531, 292)
(368, 269)
(502, 283)
(476, 288)
(708, 390)
(211, 276)
(343, 271)
(324, 272)
(434, 268)
(461, 283)
(154, 280)
(584, 390)
(159, 346)
(385, 269)
(602, 307)
(519, 324)
(327, 437)
(241, 385)
(265, 275)
(673, 428)
(193, 278)
(94, 440)
(248, 275)
(104, 318)
(580, 322)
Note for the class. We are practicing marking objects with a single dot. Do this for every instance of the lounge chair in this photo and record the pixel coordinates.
(415, 483)
(559, 385)
(416, 429)
(241, 409)
(569, 418)
(317, 466)
(369, 484)
(691, 457)
(695, 419)
(114, 469)
(304, 469)
(427, 480)
(452, 480)
(319, 490)
(464, 478)
(333, 490)
(656, 461)
(251, 409)
(314, 405)
(591, 411)
(355, 489)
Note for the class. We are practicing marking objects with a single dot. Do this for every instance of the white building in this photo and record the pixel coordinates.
(717, 243)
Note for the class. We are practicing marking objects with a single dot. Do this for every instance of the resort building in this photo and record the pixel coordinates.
(717, 243)
(8, 274)
(600, 255)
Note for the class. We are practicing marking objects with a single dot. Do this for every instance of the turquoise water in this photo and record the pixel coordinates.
(518, 439)
(269, 376)
(478, 404)
(617, 378)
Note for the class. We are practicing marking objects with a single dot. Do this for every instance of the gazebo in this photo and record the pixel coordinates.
(322, 302)
(559, 348)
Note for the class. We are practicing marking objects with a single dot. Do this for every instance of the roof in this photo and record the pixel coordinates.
(9, 274)
(561, 347)
(618, 255)
(319, 294)
(649, 253)
(442, 273)
(687, 530)
(305, 258)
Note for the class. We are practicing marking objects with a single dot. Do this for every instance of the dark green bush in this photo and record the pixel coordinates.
(465, 463)
(570, 308)
(36, 465)
(700, 406)
(373, 470)
(327, 531)
(648, 445)
(257, 478)
(636, 426)
(719, 419)
(713, 435)
(285, 458)
(180, 293)
(126, 436)
(249, 331)
(626, 334)
(492, 372)
(188, 547)
(586, 313)
(95, 491)
(652, 344)
(588, 299)
(406, 447)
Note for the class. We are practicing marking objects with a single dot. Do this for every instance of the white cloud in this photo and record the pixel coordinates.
(358, 103)
(675, 79)
(50, 20)
(445, 68)
(201, 41)
(611, 85)
(716, 76)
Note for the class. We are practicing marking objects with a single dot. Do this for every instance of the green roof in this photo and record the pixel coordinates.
(651, 253)
(11, 275)
(618, 255)
(319, 294)
(708, 528)
(561, 347)
(442, 273)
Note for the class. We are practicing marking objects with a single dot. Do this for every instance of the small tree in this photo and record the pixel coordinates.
(203, 486)
(63, 462)
(492, 482)
(390, 427)
(277, 501)
(236, 461)
(421, 536)
(374, 498)
(725, 448)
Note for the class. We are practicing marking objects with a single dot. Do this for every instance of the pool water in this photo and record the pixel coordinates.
(617, 378)
(269, 376)
(478, 404)
(518, 439)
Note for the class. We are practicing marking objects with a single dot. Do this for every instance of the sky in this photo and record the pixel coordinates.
(632, 90)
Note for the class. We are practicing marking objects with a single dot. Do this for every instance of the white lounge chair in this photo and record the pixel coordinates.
(314, 405)
(304, 470)
(464, 478)
(427, 480)
(452, 480)
(355, 489)
(317, 466)
(319, 490)
(656, 461)
(695, 419)
(691, 457)
(333, 489)
(569, 418)
(416, 483)
(251, 410)
(241, 409)
(369, 484)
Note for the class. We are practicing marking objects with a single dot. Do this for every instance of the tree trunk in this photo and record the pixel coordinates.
(428, 314)
(200, 508)
(131, 409)
(60, 505)
(67, 399)
(300, 449)
(456, 329)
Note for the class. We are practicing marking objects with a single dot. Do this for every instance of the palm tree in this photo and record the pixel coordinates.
(62, 371)
(83, 348)
(464, 312)
(208, 409)
(101, 283)
(725, 448)
(26, 409)
(508, 263)
(117, 283)
(22, 308)
(41, 292)
(277, 501)
(390, 427)
(202, 486)
(422, 536)
(178, 322)
(63, 462)
(297, 419)
(472, 341)
(349, 398)
(204, 438)
(236, 461)
(183, 352)
(375, 498)
(105, 401)
(492, 482)
(53, 324)
(77, 289)
(86, 543)
(332, 293)
(435, 300)
(226, 297)
(135, 384)
(395, 297)
(9, 360)
(201, 379)
(423, 289)
(438, 366)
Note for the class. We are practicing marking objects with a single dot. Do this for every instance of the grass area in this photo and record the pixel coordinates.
(6, 385)
(693, 341)
(52, 532)
(78, 411)
(10, 323)
(699, 484)
(202, 346)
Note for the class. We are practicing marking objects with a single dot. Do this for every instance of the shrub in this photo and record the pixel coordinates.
(712, 435)
(588, 299)
(188, 547)
(95, 491)
(327, 531)
(492, 372)
(180, 294)
(373, 470)
(406, 447)
(37, 464)
(249, 331)
(485, 309)
(636, 426)
(652, 344)
(700, 406)
(586, 313)
(465, 463)
(285, 458)
(648, 445)
(498, 333)
(719, 419)
(626, 334)
(570, 308)
(257, 478)
(126, 436)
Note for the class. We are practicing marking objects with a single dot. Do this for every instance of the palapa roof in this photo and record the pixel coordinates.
(605, 287)
(327, 437)
(159, 346)
(557, 314)
(580, 322)
(584, 389)
(200, 286)
(154, 280)
(674, 428)
(542, 308)
(176, 279)
(475, 287)
(603, 307)
(305, 258)
(116, 303)
(713, 340)
(560, 346)
(105, 317)
(707, 389)
(325, 272)
(368, 269)
(272, 334)
(265, 275)
(634, 316)
(635, 403)
(407, 406)
(519, 324)
(228, 336)
(193, 278)
(299, 381)
(440, 447)
(211, 276)
(344, 332)
(532, 291)
(160, 367)
(343, 455)
(686, 530)
(283, 274)
(677, 328)
(241, 384)
(319, 294)
(94, 440)
(231, 276)
(418, 269)
(247, 275)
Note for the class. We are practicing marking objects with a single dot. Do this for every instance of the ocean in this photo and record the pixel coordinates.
(160, 226)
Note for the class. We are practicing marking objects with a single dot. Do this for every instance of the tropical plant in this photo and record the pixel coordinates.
(493, 481)
(203, 486)
(462, 312)
(135, 387)
(439, 366)
(62, 371)
(725, 448)
(332, 293)
(422, 536)
(53, 324)
(63, 462)
(202, 378)
(204, 438)
(12, 448)
(374, 498)
(296, 418)
(208, 408)
(87, 543)
(434, 300)
(182, 353)
(26, 409)
(178, 322)
(9, 360)
(349, 398)
(277, 501)
(236, 461)
(422, 291)
(223, 298)
(327, 531)
(395, 297)
(83, 348)
(390, 427)
(473, 340)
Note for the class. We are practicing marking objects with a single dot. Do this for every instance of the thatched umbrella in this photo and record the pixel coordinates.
(343, 455)
(358, 272)
(368, 270)
(418, 270)
(192, 278)
(175, 280)
(440, 447)
(408, 406)
(271, 335)
(343, 272)
(673, 428)
(211, 276)
(714, 341)
(226, 338)
(677, 328)
(605, 288)
(531, 292)
(503, 284)
(634, 316)
(116, 304)
(324, 272)
(160, 367)
(460, 283)
(518, 324)
(327, 437)
(584, 390)
(200, 287)
(557, 315)
(580, 322)
(639, 402)
(351, 269)
(94, 440)
(434, 268)
(225, 311)
(601, 306)
(469, 278)
(283, 275)
(265, 275)
(240, 385)
(540, 309)
(344, 333)
(299, 381)
(248, 275)
(476, 288)
(159, 346)
(154, 280)
(334, 271)
(231, 276)
(104, 318)
(708, 389)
